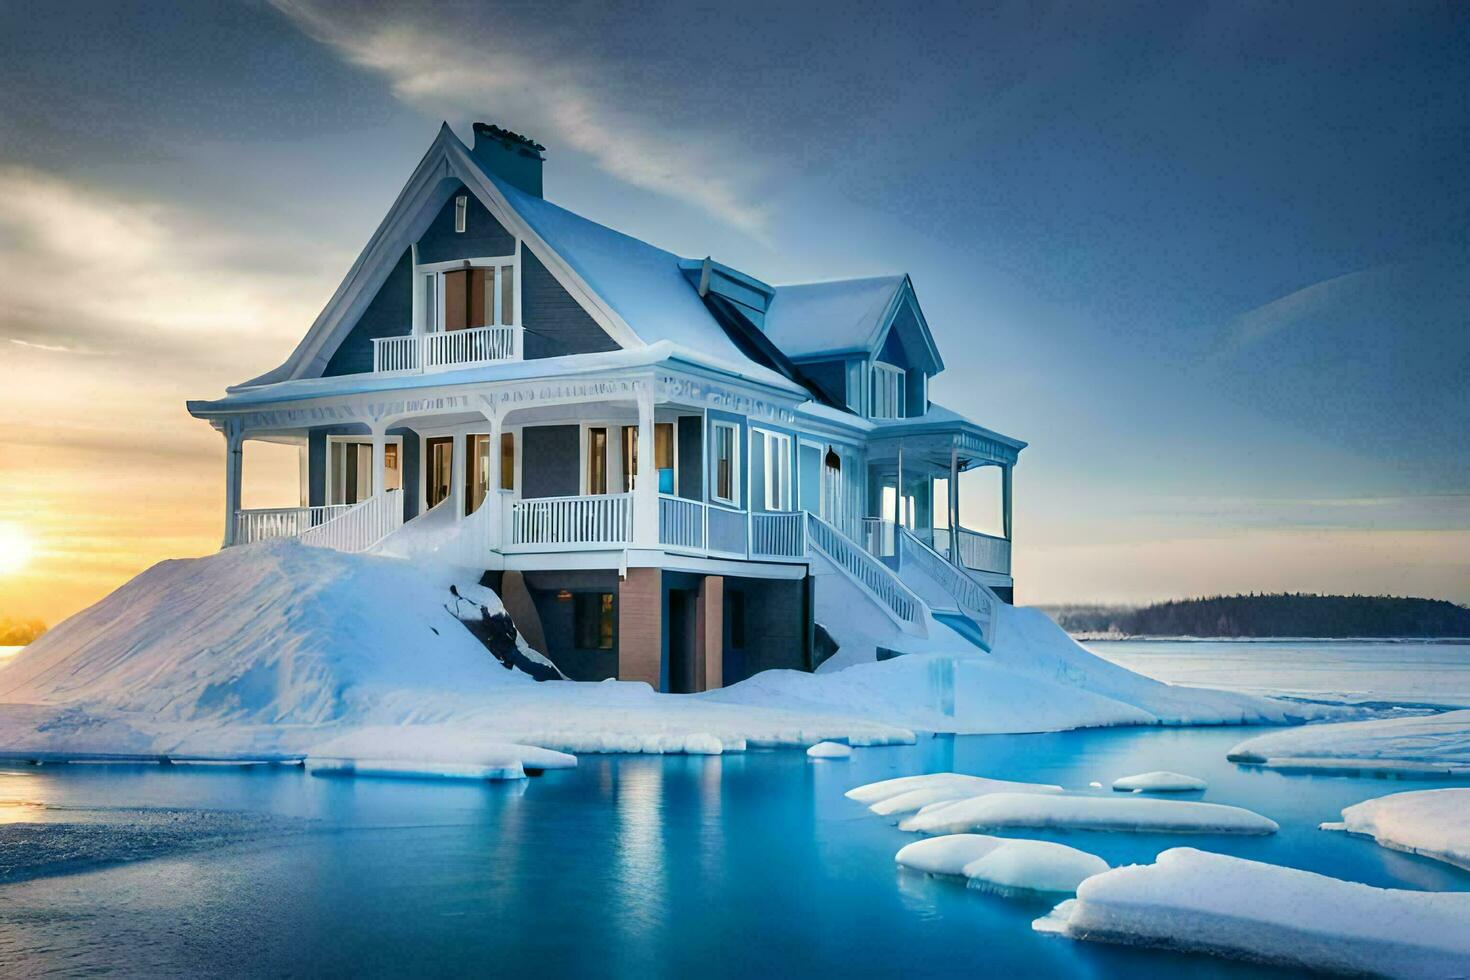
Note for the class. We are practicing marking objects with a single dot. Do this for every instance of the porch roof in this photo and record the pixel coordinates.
(935, 433)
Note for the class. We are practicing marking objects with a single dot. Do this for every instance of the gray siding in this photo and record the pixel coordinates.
(551, 461)
(390, 314)
(777, 628)
(555, 323)
(482, 236)
(690, 436)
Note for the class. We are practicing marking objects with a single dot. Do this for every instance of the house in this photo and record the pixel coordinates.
(670, 470)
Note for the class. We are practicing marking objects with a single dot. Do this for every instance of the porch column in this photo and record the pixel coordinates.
(457, 473)
(380, 456)
(645, 484)
(898, 489)
(954, 505)
(492, 489)
(234, 465)
(1005, 498)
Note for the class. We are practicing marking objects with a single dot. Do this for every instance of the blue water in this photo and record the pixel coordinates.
(638, 866)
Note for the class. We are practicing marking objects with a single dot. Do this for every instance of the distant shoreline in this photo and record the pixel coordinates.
(1090, 637)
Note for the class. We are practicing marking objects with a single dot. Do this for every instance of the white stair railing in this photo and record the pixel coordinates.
(550, 522)
(974, 599)
(876, 578)
(269, 523)
(680, 522)
(361, 526)
(778, 534)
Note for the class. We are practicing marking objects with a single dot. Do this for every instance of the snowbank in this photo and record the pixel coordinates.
(428, 751)
(944, 787)
(1000, 810)
(1436, 745)
(829, 750)
(1433, 822)
(1003, 865)
(1229, 906)
(1159, 782)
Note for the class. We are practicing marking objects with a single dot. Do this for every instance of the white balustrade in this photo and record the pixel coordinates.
(343, 527)
(876, 578)
(269, 523)
(725, 531)
(980, 552)
(680, 522)
(778, 534)
(974, 599)
(550, 523)
(443, 350)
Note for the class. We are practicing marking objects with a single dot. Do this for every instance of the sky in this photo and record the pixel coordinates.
(1212, 261)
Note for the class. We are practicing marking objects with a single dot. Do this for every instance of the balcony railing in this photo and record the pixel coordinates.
(443, 350)
(979, 552)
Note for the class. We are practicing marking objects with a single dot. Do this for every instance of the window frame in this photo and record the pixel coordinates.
(773, 464)
(716, 425)
(328, 484)
(429, 291)
(895, 382)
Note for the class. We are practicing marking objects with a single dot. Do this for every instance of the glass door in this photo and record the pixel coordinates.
(439, 471)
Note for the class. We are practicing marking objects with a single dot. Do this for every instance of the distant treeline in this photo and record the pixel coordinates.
(19, 632)
(1285, 614)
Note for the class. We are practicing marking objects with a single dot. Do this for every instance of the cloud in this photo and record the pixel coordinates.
(52, 348)
(1297, 307)
(570, 102)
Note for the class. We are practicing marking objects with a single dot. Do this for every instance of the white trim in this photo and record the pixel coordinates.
(714, 497)
(362, 441)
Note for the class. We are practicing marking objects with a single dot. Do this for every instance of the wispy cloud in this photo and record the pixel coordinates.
(1296, 307)
(53, 348)
(569, 100)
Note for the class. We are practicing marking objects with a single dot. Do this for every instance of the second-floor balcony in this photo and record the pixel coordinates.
(445, 350)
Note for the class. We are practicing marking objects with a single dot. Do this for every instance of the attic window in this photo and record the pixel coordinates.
(887, 401)
(461, 208)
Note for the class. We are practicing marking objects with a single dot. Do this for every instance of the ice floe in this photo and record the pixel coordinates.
(1159, 782)
(960, 784)
(1001, 864)
(1132, 813)
(829, 750)
(428, 751)
(1428, 745)
(950, 790)
(1211, 903)
(1433, 822)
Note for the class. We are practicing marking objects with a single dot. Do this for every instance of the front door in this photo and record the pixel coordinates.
(439, 469)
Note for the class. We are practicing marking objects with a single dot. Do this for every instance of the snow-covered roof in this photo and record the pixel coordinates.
(842, 316)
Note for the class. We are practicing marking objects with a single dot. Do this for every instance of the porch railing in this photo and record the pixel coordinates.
(269, 523)
(778, 534)
(680, 523)
(725, 531)
(547, 523)
(980, 552)
(440, 351)
(878, 579)
(973, 599)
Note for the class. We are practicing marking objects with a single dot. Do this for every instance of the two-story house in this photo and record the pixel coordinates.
(670, 470)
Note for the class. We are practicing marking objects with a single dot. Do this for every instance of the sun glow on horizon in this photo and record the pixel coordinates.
(16, 548)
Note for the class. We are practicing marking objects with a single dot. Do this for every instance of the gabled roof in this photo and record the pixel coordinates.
(845, 316)
(634, 291)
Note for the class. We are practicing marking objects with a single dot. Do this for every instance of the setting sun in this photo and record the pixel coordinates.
(15, 548)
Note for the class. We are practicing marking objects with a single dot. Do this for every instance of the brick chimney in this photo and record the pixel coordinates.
(512, 157)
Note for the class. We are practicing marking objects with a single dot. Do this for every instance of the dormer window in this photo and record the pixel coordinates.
(461, 210)
(467, 295)
(888, 392)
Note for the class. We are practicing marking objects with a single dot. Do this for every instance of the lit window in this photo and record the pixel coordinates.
(597, 460)
(663, 456)
(724, 463)
(888, 392)
(592, 620)
(461, 208)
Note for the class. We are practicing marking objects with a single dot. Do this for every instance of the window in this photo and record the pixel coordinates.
(855, 386)
(477, 475)
(773, 467)
(461, 209)
(888, 392)
(724, 463)
(430, 319)
(735, 616)
(592, 620)
(507, 461)
(597, 460)
(350, 473)
(507, 294)
(663, 456)
(468, 296)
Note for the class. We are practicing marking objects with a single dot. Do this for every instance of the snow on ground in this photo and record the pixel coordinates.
(1003, 865)
(829, 750)
(267, 651)
(1434, 823)
(1195, 900)
(1160, 782)
(1004, 810)
(428, 751)
(1436, 744)
(906, 794)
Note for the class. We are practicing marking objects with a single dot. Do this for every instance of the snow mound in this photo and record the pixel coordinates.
(1003, 865)
(950, 788)
(1211, 903)
(890, 788)
(1000, 810)
(1434, 823)
(1160, 782)
(428, 751)
(1431, 745)
(829, 750)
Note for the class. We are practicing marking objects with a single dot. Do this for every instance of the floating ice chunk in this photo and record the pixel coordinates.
(1001, 864)
(1020, 867)
(949, 790)
(1159, 782)
(999, 810)
(871, 793)
(428, 751)
(829, 750)
(1430, 822)
(1229, 906)
(1430, 745)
